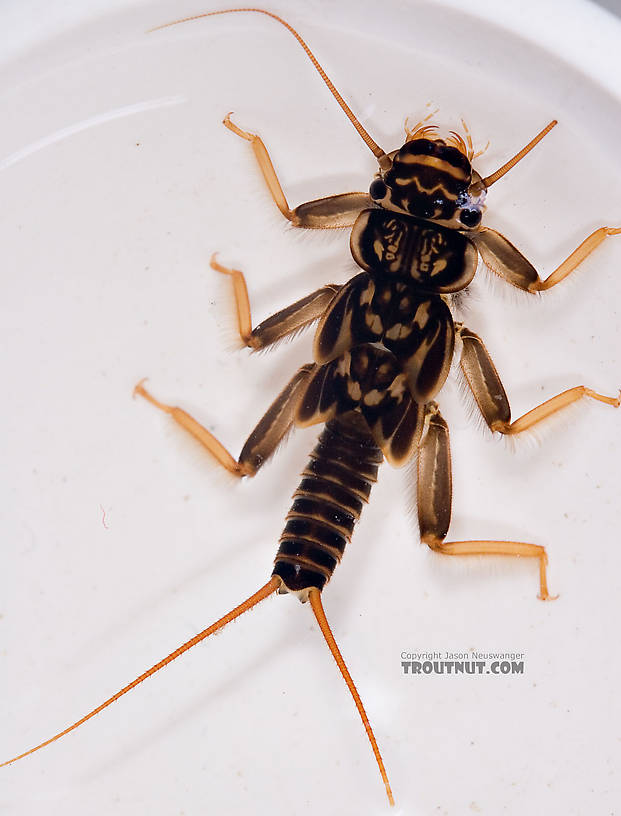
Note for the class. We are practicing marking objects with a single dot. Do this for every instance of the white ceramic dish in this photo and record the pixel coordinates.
(121, 540)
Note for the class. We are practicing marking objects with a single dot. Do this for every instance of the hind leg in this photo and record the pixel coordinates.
(261, 443)
(435, 499)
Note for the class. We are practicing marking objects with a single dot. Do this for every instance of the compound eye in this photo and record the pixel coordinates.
(470, 218)
(378, 190)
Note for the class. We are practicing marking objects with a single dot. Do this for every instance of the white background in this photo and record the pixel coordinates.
(120, 538)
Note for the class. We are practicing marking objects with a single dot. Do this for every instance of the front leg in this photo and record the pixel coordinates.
(504, 259)
(331, 212)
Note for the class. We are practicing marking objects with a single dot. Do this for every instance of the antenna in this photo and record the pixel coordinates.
(373, 146)
(518, 156)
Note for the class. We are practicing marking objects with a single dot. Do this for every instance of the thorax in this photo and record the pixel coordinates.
(422, 255)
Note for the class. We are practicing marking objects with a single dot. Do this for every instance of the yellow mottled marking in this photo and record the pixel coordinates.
(342, 367)
(374, 323)
(354, 390)
(398, 389)
(366, 296)
(421, 318)
(438, 266)
(433, 161)
(373, 397)
(398, 331)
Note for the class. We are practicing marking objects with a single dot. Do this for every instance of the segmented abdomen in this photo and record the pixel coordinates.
(335, 485)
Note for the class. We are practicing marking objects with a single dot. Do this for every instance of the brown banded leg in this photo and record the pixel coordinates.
(279, 325)
(503, 258)
(261, 443)
(435, 498)
(490, 395)
(332, 212)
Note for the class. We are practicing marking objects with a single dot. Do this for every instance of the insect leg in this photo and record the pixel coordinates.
(503, 258)
(491, 397)
(314, 597)
(331, 212)
(279, 325)
(435, 497)
(261, 443)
